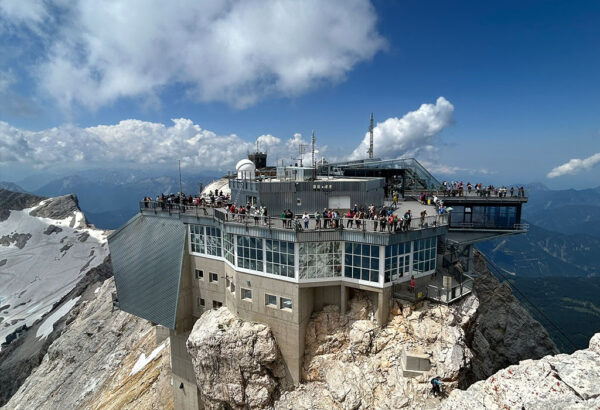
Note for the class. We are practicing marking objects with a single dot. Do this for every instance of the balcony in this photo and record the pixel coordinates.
(435, 288)
(294, 224)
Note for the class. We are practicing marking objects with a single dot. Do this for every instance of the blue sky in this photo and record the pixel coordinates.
(520, 79)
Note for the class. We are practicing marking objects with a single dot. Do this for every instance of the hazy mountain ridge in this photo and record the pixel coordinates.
(110, 198)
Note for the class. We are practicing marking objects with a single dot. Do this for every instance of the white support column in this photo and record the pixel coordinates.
(205, 237)
(264, 255)
(297, 260)
(381, 265)
(235, 252)
(343, 256)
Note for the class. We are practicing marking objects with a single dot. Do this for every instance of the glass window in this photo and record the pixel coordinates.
(228, 241)
(270, 300)
(197, 238)
(214, 277)
(361, 261)
(217, 304)
(285, 303)
(246, 294)
(280, 258)
(320, 259)
(213, 241)
(202, 303)
(199, 274)
(424, 257)
(232, 287)
(250, 253)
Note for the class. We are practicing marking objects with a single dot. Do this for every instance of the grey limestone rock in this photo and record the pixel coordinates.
(237, 364)
(553, 382)
(60, 207)
(502, 332)
(52, 229)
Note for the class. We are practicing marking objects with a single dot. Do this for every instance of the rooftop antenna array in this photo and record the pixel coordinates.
(302, 149)
(370, 151)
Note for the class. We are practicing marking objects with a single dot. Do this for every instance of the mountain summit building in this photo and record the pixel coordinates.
(172, 262)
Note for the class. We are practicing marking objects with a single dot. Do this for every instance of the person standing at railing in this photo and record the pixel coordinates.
(283, 216)
(350, 219)
(407, 218)
(423, 215)
(357, 217)
(317, 220)
(305, 219)
(413, 284)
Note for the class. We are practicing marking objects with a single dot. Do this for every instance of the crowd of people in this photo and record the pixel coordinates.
(379, 219)
(456, 188)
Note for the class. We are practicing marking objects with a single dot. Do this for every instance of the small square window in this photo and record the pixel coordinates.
(285, 303)
(232, 288)
(246, 294)
(202, 303)
(214, 277)
(270, 300)
(217, 304)
(227, 282)
(199, 274)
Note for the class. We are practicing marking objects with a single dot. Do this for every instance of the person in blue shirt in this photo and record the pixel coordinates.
(436, 384)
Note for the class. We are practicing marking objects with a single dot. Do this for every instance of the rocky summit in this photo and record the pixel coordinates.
(553, 382)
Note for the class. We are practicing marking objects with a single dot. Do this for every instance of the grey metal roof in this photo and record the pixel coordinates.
(147, 255)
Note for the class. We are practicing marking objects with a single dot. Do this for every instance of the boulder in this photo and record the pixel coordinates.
(237, 364)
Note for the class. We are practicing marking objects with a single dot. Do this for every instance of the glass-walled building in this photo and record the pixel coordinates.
(312, 261)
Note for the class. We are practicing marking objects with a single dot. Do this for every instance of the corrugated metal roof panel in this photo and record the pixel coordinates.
(147, 255)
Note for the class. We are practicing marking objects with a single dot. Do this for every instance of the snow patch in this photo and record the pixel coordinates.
(97, 290)
(46, 328)
(142, 361)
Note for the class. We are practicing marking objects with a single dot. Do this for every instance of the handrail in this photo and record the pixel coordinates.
(296, 223)
(447, 295)
(485, 225)
(465, 193)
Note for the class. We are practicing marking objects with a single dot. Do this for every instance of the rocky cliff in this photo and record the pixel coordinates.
(102, 359)
(350, 362)
(553, 382)
(237, 364)
(501, 332)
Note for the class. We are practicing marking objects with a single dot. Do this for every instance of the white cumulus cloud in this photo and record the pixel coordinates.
(233, 51)
(135, 142)
(575, 166)
(415, 132)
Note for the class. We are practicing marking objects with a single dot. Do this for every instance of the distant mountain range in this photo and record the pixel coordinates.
(556, 264)
(110, 197)
(11, 186)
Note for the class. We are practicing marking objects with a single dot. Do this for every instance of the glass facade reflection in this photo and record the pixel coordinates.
(397, 261)
(361, 261)
(424, 254)
(319, 260)
(280, 258)
(478, 216)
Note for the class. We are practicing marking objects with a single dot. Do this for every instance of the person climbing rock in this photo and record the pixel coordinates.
(436, 385)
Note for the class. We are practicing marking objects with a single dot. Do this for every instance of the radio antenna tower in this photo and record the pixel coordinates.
(371, 138)
(314, 164)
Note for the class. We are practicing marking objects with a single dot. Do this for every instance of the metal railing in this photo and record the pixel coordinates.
(296, 223)
(487, 225)
(448, 295)
(465, 193)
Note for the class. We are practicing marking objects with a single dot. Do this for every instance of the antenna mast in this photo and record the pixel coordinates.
(370, 151)
(314, 164)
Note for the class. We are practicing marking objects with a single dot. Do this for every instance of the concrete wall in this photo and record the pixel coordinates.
(205, 289)
(187, 397)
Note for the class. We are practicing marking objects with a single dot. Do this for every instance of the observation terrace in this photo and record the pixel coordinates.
(296, 224)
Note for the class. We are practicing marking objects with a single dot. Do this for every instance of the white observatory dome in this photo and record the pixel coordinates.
(245, 169)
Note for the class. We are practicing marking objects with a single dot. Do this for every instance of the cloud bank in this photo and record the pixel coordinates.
(410, 135)
(94, 53)
(136, 142)
(575, 166)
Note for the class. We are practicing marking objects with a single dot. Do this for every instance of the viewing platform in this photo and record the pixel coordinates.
(296, 224)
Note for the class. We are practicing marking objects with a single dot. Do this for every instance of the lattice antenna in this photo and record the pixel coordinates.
(370, 151)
